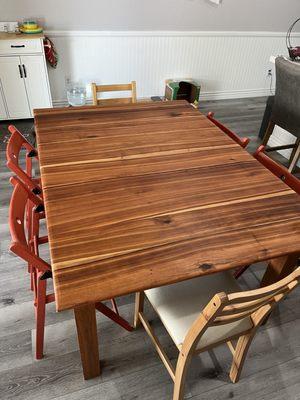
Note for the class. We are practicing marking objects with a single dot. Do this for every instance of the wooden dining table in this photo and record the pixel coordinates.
(143, 195)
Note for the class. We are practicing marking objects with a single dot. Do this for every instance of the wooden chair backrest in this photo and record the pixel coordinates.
(114, 88)
(244, 304)
(16, 143)
(227, 308)
(19, 244)
(241, 141)
(279, 170)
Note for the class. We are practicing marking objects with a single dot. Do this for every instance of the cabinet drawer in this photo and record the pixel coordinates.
(20, 46)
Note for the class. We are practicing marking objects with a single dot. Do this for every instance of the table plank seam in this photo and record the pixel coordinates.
(139, 156)
(67, 264)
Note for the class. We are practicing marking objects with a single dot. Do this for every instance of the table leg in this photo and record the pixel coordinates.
(85, 317)
(279, 268)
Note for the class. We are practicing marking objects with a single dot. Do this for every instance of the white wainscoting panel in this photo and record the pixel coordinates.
(228, 64)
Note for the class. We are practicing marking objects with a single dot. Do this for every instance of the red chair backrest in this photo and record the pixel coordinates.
(19, 244)
(16, 143)
(279, 170)
(34, 198)
(241, 141)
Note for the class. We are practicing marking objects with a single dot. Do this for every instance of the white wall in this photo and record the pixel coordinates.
(227, 64)
(239, 15)
(226, 47)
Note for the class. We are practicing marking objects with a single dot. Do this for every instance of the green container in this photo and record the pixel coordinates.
(183, 90)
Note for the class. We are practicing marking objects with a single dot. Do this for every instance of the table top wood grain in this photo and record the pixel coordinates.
(144, 195)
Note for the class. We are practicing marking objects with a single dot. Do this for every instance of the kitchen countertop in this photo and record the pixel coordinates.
(15, 36)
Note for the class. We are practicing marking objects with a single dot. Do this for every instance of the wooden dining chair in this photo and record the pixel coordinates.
(198, 320)
(27, 247)
(243, 142)
(128, 87)
(282, 173)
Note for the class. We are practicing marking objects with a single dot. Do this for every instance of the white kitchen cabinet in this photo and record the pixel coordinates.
(13, 86)
(23, 77)
(36, 83)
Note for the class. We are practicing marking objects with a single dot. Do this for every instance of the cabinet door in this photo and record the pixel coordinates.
(3, 114)
(14, 88)
(36, 82)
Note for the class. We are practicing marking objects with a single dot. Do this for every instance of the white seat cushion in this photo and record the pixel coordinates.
(178, 305)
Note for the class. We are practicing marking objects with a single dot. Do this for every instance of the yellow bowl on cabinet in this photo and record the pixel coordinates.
(30, 25)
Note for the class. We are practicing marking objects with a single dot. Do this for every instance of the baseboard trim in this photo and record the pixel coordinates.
(222, 95)
(235, 94)
(64, 33)
(60, 103)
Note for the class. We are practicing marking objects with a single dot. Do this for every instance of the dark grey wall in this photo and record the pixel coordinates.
(239, 15)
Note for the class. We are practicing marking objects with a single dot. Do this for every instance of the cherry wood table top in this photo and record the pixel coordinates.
(143, 195)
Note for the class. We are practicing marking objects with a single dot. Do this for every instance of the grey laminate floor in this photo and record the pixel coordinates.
(131, 368)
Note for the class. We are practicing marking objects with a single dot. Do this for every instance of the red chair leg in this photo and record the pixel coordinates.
(40, 312)
(113, 316)
(30, 270)
(238, 272)
(28, 226)
(29, 223)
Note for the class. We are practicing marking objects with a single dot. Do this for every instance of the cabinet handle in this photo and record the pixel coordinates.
(24, 70)
(17, 46)
(20, 70)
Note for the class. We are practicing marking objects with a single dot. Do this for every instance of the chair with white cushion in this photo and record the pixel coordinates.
(197, 319)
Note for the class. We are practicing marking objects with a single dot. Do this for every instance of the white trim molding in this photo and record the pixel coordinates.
(62, 33)
(237, 94)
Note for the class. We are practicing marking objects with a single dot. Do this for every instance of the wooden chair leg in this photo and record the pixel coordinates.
(296, 144)
(268, 133)
(294, 156)
(40, 317)
(139, 307)
(114, 306)
(239, 356)
(180, 375)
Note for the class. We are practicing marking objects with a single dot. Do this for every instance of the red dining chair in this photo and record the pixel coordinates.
(28, 250)
(37, 204)
(279, 170)
(20, 245)
(243, 142)
(16, 143)
(282, 173)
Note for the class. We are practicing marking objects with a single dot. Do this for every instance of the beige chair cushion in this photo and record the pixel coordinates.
(178, 305)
